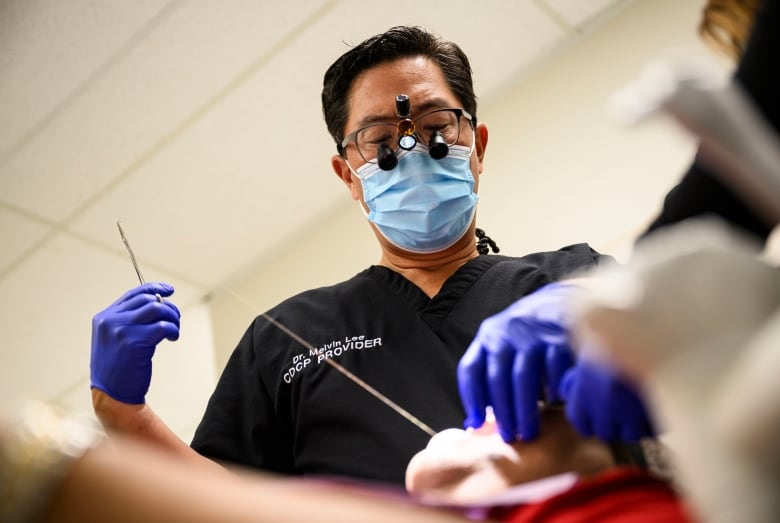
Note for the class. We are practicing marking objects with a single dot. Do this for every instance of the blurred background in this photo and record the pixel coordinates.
(198, 125)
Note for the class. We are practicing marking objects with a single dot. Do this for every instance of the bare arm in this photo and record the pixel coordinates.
(141, 422)
(130, 482)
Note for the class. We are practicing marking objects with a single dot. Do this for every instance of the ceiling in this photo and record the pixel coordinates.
(198, 125)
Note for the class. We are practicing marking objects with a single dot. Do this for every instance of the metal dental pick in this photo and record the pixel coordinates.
(132, 258)
(362, 384)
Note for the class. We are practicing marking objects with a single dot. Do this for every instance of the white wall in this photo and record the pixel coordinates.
(560, 168)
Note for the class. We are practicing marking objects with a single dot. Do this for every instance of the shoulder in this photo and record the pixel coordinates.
(318, 297)
(574, 257)
(513, 277)
(315, 308)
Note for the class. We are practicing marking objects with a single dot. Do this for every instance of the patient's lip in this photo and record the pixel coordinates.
(489, 427)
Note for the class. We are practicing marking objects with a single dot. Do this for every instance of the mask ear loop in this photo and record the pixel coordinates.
(359, 202)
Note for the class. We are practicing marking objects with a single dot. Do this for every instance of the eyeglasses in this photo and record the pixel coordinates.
(439, 126)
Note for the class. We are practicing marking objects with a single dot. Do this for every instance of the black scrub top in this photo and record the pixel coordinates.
(279, 405)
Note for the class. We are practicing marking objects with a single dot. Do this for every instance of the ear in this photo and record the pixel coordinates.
(480, 143)
(342, 170)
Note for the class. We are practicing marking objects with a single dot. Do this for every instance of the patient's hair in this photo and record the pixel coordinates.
(726, 24)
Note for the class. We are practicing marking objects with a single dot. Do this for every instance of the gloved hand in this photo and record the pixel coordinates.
(518, 356)
(124, 337)
(599, 403)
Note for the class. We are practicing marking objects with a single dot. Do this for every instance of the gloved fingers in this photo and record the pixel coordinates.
(145, 335)
(559, 358)
(148, 325)
(606, 425)
(632, 432)
(500, 388)
(146, 309)
(528, 372)
(600, 404)
(616, 411)
(139, 301)
(173, 307)
(576, 411)
(637, 424)
(590, 404)
(472, 384)
(150, 288)
(154, 333)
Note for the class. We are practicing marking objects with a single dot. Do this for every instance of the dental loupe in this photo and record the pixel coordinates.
(408, 136)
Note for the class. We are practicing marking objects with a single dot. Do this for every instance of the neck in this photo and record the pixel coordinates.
(430, 271)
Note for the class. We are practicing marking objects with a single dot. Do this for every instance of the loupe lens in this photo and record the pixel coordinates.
(437, 147)
(386, 158)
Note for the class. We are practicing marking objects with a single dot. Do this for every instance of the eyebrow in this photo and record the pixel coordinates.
(430, 104)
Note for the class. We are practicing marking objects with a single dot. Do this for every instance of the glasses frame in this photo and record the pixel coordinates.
(402, 132)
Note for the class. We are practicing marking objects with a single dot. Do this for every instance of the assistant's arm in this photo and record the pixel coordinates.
(128, 482)
(57, 468)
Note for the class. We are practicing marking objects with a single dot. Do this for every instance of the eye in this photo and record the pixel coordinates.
(376, 134)
(443, 122)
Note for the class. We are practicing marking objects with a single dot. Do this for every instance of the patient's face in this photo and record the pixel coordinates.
(461, 466)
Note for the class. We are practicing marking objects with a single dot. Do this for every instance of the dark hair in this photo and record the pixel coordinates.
(397, 42)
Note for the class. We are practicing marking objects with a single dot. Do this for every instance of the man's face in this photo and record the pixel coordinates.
(372, 100)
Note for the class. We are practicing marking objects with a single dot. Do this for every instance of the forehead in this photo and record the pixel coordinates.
(373, 92)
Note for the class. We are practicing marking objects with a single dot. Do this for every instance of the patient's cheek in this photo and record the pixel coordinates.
(460, 465)
(455, 458)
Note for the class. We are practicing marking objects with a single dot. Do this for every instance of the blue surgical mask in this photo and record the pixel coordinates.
(422, 205)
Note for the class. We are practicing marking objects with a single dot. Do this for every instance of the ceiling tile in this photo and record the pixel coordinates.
(17, 234)
(185, 66)
(52, 48)
(578, 12)
(501, 38)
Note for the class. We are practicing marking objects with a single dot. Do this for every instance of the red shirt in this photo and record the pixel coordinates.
(620, 495)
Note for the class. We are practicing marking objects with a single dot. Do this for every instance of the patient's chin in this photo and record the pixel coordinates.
(459, 467)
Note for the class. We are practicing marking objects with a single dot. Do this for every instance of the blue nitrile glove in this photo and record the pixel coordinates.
(517, 358)
(124, 337)
(599, 403)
